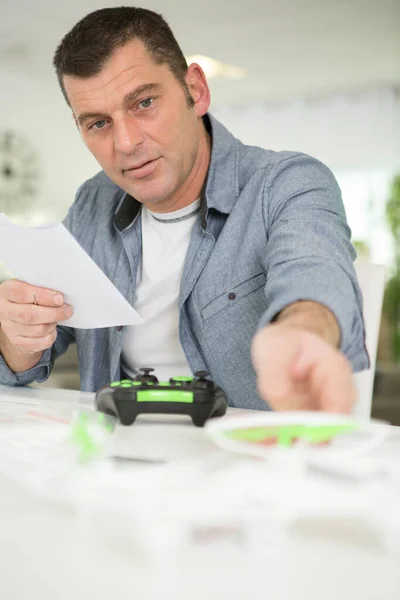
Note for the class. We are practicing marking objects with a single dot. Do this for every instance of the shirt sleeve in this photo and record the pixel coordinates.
(309, 253)
(41, 371)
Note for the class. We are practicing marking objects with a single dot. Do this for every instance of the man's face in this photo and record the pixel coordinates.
(135, 119)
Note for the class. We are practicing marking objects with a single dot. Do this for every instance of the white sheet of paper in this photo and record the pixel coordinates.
(48, 256)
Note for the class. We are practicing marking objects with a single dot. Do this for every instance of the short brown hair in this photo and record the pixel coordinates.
(84, 51)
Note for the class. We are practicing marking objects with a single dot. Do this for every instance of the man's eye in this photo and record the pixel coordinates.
(99, 124)
(146, 103)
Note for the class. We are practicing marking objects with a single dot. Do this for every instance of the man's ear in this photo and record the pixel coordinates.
(198, 88)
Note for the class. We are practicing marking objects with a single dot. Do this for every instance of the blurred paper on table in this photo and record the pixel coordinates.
(48, 256)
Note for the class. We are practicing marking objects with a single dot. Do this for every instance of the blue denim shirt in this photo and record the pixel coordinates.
(272, 231)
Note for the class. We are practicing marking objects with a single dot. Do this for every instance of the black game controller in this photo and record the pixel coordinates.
(196, 396)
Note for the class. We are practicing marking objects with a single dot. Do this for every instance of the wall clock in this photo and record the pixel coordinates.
(19, 172)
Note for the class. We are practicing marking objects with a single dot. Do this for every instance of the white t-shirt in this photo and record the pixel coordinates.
(155, 343)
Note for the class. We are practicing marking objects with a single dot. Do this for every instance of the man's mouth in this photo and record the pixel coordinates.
(141, 169)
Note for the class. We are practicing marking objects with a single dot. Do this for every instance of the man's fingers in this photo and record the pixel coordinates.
(33, 345)
(329, 378)
(18, 330)
(335, 386)
(29, 316)
(20, 292)
(288, 396)
(38, 315)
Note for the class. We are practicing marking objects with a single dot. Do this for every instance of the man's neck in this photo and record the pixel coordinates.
(192, 188)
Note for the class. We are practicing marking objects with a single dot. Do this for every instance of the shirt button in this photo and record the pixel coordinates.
(232, 296)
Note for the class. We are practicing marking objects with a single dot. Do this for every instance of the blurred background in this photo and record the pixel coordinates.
(318, 76)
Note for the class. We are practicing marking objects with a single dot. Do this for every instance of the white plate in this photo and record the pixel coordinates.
(362, 437)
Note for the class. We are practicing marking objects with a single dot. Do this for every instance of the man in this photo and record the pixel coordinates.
(237, 258)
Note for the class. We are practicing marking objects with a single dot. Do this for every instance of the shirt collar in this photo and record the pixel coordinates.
(221, 186)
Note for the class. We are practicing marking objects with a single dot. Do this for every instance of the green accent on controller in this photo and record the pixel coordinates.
(182, 378)
(287, 434)
(164, 396)
(127, 383)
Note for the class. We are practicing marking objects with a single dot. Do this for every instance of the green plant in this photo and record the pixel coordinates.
(363, 249)
(391, 300)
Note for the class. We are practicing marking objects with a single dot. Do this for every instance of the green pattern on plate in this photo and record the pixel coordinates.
(286, 435)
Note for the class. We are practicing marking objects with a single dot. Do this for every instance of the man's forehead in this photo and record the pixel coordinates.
(122, 73)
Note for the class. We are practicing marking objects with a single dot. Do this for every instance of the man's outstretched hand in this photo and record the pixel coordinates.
(298, 370)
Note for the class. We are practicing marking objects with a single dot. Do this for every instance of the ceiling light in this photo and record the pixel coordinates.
(214, 68)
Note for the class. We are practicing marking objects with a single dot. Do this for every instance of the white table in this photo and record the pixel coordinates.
(46, 554)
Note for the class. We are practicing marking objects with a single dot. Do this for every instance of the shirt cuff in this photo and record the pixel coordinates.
(39, 372)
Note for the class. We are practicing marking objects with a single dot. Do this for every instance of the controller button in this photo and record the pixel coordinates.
(179, 381)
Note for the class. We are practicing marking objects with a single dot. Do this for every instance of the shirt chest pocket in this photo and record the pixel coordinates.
(234, 296)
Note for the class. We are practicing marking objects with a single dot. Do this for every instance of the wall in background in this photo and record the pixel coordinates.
(37, 110)
(347, 131)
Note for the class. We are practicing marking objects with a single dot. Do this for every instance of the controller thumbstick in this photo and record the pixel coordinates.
(201, 381)
(201, 374)
(146, 377)
(146, 370)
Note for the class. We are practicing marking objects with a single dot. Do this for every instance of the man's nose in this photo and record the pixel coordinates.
(127, 135)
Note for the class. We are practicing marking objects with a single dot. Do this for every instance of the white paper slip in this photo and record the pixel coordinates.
(49, 257)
